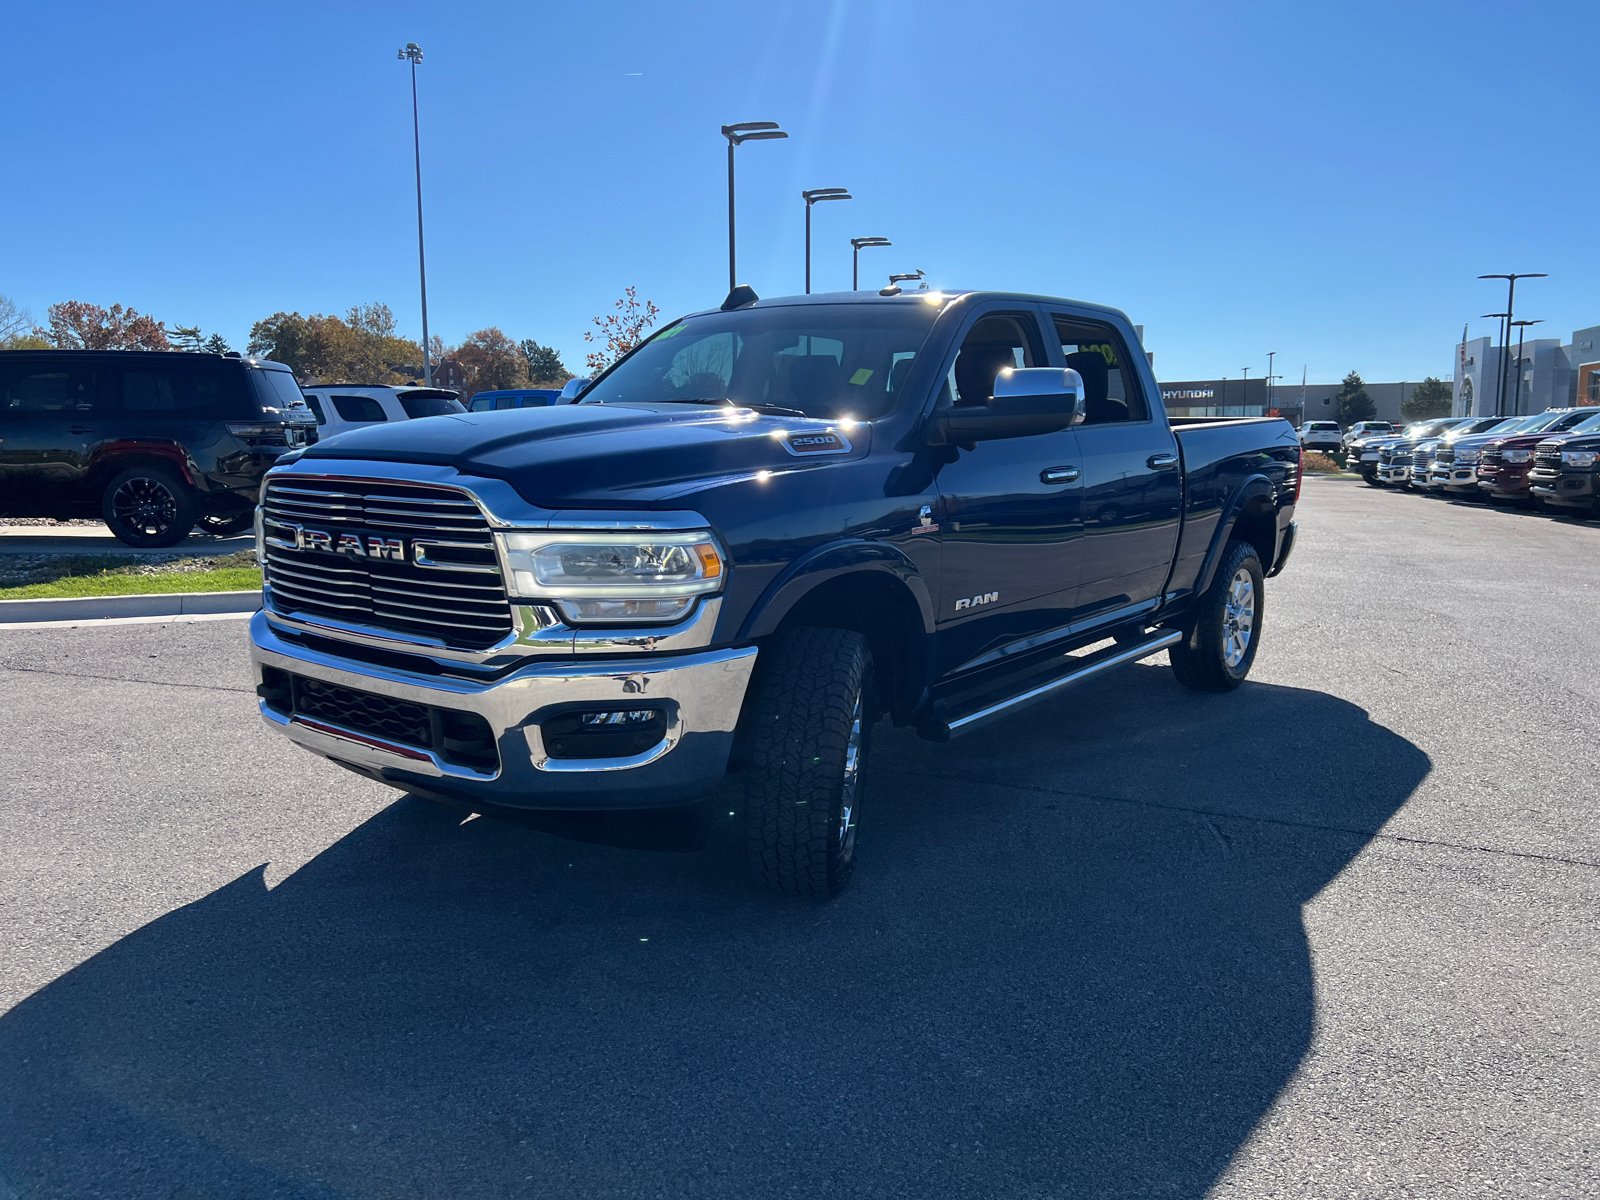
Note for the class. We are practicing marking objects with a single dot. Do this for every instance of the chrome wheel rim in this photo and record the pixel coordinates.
(146, 506)
(847, 793)
(1238, 617)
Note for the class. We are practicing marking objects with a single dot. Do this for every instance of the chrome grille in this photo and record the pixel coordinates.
(434, 574)
(1419, 459)
(1445, 455)
(1550, 459)
(1491, 456)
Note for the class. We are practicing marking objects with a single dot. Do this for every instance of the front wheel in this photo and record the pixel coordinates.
(148, 507)
(1220, 647)
(809, 733)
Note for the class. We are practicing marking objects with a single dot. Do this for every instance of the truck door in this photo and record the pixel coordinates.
(49, 410)
(1132, 483)
(1009, 522)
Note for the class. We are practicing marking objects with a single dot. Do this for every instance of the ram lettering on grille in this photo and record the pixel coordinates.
(410, 559)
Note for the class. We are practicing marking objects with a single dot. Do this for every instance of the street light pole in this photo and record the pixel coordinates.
(1505, 340)
(812, 197)
(1500, 375)
(1245, 401)
(1271, 354)
(413, 54)
(744, 131)
(1516, 405)
(855, 257)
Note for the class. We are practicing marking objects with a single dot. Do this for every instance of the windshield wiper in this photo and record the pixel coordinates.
(773, 409)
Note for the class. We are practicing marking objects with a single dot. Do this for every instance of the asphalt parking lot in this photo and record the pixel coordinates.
(1332, 935)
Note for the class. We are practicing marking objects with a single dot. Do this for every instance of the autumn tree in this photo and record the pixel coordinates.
(1432, 399)
(545, 368)
(74, 325)
(492, 362)
(362, 347)
(14, 323)
(620, 331)
(1351, 403)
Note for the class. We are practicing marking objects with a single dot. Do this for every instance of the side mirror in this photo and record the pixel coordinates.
(570, 393)
(1027, 400)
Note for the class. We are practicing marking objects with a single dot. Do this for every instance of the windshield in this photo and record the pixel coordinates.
(1592, 425)
(824, 360)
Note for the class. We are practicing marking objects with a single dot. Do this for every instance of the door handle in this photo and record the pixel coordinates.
(1059, 475)
(1162, 462)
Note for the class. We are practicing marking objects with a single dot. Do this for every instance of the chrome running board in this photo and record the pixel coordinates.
(943, 731)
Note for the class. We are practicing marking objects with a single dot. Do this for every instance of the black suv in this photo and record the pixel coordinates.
(153, 442)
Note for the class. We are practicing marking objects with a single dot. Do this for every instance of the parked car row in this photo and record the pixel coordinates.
(1547, 459)
(158, 443)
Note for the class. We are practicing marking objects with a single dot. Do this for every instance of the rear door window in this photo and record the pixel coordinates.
(359, 409)
(1110, 385)
(178, 390)
(316, 408)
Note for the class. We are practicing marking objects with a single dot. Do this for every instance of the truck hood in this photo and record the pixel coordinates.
(606, 455)
(1573, 441)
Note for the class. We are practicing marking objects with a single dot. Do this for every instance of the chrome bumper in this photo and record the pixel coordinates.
(702, 694)
(1462, 477)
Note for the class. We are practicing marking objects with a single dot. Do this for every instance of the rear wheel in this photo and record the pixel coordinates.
(148, 507)
(809, 734)
(1220, 647)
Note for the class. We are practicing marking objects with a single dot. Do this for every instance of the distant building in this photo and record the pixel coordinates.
(1547, 375)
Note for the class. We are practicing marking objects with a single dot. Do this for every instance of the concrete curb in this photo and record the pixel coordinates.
(161, 604)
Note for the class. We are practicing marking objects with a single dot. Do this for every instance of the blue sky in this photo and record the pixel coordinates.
(1322, 180)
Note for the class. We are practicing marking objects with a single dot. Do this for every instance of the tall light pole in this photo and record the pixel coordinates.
(1516, 405)
(413, 54)
(855, 257)
(1511, 307)
(1500, 376)
(745, 131)
(1246, 401)
(811, 197)
(1271, 354)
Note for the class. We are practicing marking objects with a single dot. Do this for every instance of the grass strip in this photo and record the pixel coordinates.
(229, 579)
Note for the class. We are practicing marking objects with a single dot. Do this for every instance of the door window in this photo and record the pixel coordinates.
(316, 409)
(995, 342)
(183, 392)
(68, 389)
(358, 408)
(1110, 384)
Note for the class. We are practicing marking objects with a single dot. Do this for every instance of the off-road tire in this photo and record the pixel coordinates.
(1205, 659)
(813, 689)
(149, 507)
(1372, 480)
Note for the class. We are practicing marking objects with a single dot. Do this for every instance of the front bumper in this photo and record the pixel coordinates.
(1505, 482)
(1395, 473)
(1455, 477)
(1572, 489)
(701, 695)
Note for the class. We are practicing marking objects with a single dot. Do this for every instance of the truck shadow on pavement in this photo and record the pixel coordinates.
(1072, 963)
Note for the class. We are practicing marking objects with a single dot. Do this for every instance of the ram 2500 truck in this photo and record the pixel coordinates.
(1564, 468)
(763, 530)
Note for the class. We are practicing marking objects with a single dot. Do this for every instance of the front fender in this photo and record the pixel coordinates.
(830, 561)
(1255, 488)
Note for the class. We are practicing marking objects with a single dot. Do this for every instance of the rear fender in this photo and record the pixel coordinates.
(112, 457)
(1253, 502)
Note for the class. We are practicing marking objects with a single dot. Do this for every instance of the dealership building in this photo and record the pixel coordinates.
(1547, 375)
(1296, 402)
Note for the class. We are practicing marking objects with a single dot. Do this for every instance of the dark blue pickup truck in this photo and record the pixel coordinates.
(764, 530)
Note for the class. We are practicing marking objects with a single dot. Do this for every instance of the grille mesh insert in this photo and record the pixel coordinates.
(456, 596)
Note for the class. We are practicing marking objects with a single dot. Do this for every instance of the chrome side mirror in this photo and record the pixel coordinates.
(1061, 383)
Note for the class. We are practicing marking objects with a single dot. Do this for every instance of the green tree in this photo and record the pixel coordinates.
(1352, 403)
(544, 364)
(217, 344)
(187, 337)
(1431, 399)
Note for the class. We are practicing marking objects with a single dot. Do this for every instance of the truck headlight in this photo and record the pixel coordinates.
(605, 577)
(1516, 456)
(1577, 458)
(1466, 454)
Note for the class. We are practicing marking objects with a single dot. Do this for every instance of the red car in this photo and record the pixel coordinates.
(1503, 468)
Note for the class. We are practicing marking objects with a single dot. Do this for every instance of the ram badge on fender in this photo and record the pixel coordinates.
(769, 527)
